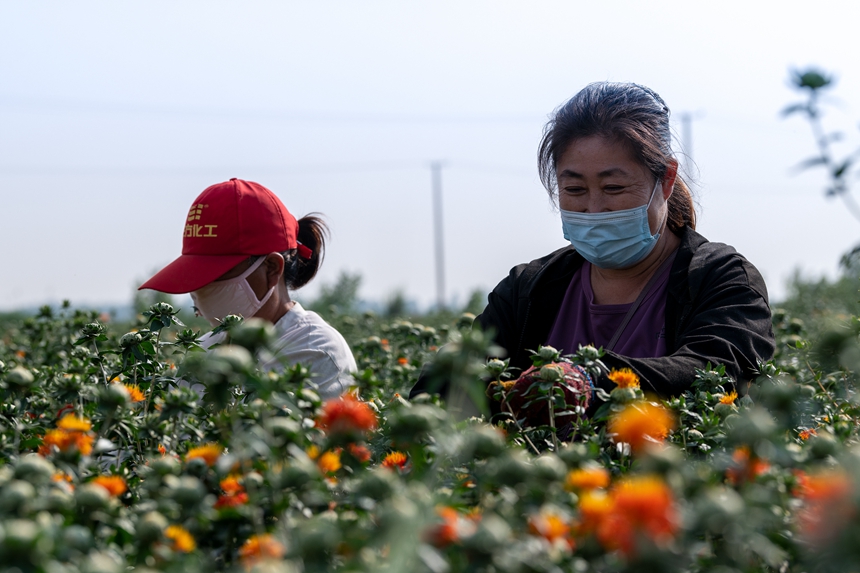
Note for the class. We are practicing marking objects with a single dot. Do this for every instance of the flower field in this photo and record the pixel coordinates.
(138, 449)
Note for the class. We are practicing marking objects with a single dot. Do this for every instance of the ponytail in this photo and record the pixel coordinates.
(682, 213)
(312, 234)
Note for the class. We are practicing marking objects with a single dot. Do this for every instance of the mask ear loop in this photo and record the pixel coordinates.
(665, 217)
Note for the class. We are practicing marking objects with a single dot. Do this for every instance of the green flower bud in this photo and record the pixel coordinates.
(102, 562)
(151, 527)
(483, 442)
(165, 465)
(92, 496)
(548, 354)
(377, 484)
(723, 410)
(20, 377)
(161, 308)
(92, 330)
(34, 469)
(188, 491)
(285, 428)
(552, 373)
(492, 534)
(623, 395)
(130, 339)
(78, 537)
(823, 445)
(253, 333)
(58, 501)
(114, 396)
(21, 535)
(466, 320)
(549, 468)
(15, 495)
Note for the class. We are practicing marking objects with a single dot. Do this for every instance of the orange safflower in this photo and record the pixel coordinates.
(74, 423)
(114, 485)
(641, 424)
(209, 453)
(260, 547)
(346, 415)
(745, 467)
(586, 478)
(639, 505)
(396, 460)
(827, 506)
(134, 392)
(20, 353)
(231, 500)
(594, 506)
(403, 361)
(162, 450)
(182, 540)
(552, 527)
(231, 484)
(359, 452)
(806, 434)
(624, 378)
(234, 493)
(66, 440)
(451, 527)
(329, 462)
(444, 533)
(729, 398)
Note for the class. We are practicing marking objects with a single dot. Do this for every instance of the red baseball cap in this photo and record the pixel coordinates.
(226, 224)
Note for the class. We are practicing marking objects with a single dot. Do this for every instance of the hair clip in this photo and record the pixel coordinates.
(304, 252)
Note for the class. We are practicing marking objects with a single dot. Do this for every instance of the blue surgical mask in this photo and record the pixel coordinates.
(612, 239)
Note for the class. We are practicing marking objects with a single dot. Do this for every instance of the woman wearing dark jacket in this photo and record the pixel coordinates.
(637, 279)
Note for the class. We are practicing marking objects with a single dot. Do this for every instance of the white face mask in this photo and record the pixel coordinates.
(232, 296)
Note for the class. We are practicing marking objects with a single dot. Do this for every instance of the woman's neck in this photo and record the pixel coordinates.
(622, 286)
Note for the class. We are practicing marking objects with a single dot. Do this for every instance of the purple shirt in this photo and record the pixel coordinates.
(580, 321)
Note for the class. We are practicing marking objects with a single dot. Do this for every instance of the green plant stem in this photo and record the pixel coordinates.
(520, 428)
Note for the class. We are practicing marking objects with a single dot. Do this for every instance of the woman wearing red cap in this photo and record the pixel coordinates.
(242, 252)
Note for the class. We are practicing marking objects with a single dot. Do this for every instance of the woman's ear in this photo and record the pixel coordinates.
(669, 178)
(274, 265)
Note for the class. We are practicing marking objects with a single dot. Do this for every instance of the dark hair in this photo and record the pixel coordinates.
(313, 233)
(629, 113)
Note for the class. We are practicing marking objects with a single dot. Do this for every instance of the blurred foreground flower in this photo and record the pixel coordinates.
(552, 526)
(182, 540)
(586, 479)
(827, 505)
(451, 528)
(234, 493)
(209, 453)
(745, 466)
(639, 506)
(395, 460)
(641, 424)
(346, 415)
(72, 433)
(260, 548)
(115, 485)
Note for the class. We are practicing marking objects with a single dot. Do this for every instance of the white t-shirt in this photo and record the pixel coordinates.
(304, 337)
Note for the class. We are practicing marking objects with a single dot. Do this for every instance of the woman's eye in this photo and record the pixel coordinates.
(574, 190)
(613, 188)
(196, 311)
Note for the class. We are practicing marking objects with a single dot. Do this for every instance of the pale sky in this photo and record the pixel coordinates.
(114, 116)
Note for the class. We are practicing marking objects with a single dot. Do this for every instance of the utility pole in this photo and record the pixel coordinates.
(687, 139)
(436, 176)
